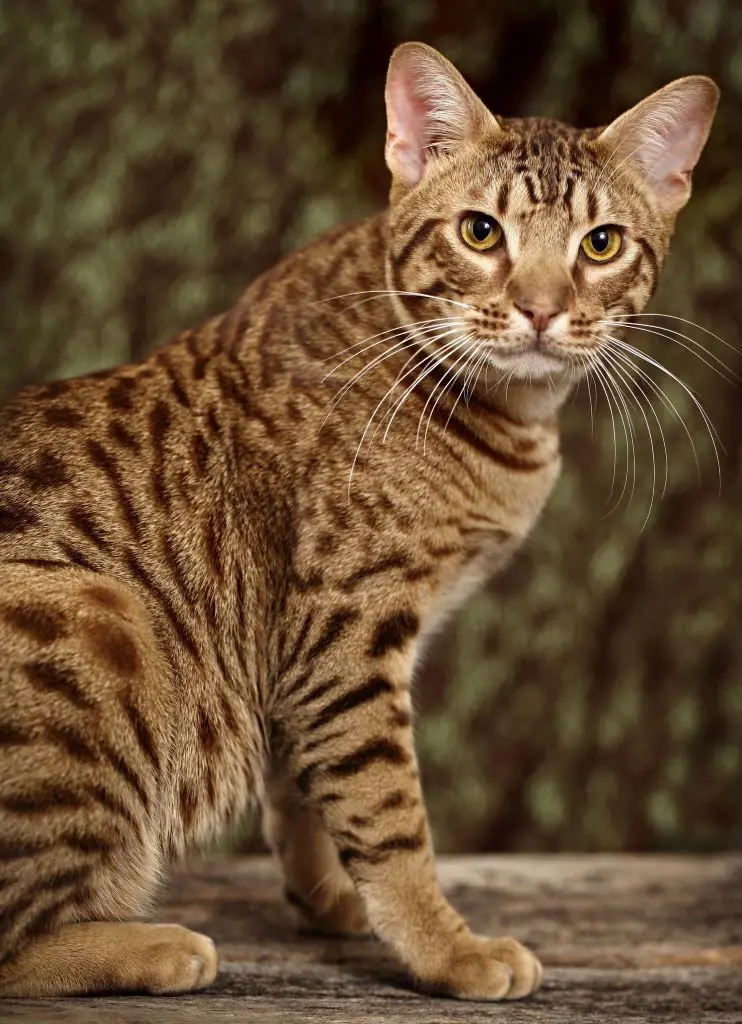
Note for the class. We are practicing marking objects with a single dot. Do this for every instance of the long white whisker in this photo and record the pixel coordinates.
(381, 292)
(426, 366)
(668, 333)
(712, 431)
(439, 355)
(437, 358)
(592, 411)
(632, 394)
(443, 386)
(627, 370)
(666, 401)
(691, 323)
(475, 359)
(591, 363)
(412, 331)
(397, 347)
(629, 432)
(386, 335)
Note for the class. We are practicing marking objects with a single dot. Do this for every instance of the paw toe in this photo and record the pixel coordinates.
(490, 969)
(180, 961)
(526, 968)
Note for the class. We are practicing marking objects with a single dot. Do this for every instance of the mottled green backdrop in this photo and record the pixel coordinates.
(157, 154)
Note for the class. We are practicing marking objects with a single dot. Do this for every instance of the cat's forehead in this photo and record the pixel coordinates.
(536, 168)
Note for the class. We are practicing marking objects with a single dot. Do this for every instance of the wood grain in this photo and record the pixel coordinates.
(630, 939)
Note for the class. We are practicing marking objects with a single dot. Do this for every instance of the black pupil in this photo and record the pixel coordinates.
(481, 228)
(600, 239)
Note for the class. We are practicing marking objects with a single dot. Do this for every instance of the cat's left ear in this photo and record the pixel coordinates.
(429, 108)
(664, 135)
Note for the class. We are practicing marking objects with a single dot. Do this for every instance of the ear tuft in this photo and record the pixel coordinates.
(664, 135)
(429, 108)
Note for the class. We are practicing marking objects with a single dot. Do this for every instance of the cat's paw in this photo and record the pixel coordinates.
(174, 959)
(489, 969)
(343, 914)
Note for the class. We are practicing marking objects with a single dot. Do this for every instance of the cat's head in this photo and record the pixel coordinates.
(532, 230)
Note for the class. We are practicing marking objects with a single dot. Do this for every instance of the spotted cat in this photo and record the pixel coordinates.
(218, 566)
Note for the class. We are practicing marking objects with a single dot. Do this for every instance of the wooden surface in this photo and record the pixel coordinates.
(629, 939)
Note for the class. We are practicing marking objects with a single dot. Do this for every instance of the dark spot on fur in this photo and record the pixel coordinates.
(16, 518)
(49, 471)
(42, 624)
(206, 731)
(120, 396)
(104, 596)
(113, 645)
(393, 633)
(62, 416)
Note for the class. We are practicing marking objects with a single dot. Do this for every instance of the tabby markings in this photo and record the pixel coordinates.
(393, 633)
(42, 624)
(334, 628)
(15, 517)
(369, 691)
(103, 459)
(57, 679)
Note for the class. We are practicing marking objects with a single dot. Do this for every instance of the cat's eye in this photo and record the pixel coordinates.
(603, 243)
(480, 231)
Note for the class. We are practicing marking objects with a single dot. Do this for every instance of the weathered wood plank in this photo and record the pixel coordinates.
(634, 939)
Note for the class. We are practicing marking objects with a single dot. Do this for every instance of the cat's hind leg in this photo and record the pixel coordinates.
(315, 881)
(103, 956)
(85, 713)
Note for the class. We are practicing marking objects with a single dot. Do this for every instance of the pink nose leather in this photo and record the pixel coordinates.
(539, 313)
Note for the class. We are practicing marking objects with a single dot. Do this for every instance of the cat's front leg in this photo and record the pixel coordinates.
(355, 764)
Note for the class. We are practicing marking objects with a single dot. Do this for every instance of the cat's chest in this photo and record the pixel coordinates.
(478, 541)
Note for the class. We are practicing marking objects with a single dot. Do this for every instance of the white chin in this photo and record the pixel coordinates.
(528, 365)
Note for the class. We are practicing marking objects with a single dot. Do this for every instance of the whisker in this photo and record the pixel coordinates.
(475, 360)
(691, 323)
(428, 365)
(385, 335)
(712, 431)
(379, 293)
(377, 360)
(592, 363)
(469, 358)
(668, 333)
(413, 331)
(438, 356)
(629, 432)
(441, 384)
(666, 401)
(632, 394)
(626, 371)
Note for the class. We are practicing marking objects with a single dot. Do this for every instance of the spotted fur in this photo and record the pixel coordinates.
(215, 579)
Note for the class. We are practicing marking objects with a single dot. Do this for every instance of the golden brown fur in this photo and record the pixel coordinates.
(215, 576)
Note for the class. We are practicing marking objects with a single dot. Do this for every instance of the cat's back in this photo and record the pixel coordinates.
(116, 464)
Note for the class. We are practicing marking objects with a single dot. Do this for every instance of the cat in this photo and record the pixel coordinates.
(218, 566)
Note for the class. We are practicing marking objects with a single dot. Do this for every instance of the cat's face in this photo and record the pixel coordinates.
(528, 232)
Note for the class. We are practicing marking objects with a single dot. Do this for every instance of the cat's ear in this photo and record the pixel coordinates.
(664, 135)
(429, 107)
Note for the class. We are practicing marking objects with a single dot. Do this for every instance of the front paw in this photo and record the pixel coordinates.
(344, 914)
(488, 969)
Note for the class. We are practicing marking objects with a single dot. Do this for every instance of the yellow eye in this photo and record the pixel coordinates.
(602, 244)
(480, 231)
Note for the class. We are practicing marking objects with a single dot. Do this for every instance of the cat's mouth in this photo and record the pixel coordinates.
(534, 357)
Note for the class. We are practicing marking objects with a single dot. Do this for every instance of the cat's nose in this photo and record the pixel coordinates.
(539, 311)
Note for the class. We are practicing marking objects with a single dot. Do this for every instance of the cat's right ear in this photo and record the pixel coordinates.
(430, 108)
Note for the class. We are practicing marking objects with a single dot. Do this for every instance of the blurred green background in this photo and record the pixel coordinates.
(158, 155)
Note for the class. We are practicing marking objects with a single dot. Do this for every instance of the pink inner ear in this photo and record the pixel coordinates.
(672, 164)
(406, 138)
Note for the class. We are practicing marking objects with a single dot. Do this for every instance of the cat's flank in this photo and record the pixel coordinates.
(217, 566)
